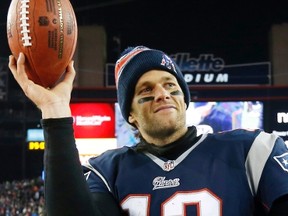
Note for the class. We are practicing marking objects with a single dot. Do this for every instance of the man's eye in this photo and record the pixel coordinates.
(170, 85)
(145, 90)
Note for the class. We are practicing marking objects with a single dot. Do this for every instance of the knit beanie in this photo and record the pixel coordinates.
(132, 64)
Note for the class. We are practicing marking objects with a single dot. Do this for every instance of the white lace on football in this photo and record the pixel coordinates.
(26, 38)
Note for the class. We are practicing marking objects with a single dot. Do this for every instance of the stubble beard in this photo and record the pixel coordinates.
(165, 127)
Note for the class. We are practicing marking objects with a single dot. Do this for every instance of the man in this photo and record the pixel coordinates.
(172, 171)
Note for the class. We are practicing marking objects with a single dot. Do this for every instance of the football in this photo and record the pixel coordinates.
(46, 32)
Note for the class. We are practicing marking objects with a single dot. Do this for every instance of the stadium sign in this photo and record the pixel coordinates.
(210, 70)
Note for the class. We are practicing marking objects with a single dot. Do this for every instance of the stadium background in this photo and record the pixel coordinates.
(239, 32)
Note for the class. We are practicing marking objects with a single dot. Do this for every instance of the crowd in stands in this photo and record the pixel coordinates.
(22, 198)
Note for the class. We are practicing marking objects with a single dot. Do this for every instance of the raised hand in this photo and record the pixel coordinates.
(54, 102)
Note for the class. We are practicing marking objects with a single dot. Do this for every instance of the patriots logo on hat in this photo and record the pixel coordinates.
(167, 62)
(282, 160)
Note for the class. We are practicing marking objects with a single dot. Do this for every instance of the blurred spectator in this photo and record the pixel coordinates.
(22, 198)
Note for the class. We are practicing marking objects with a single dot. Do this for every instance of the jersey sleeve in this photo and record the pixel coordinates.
(274, 179)
(96, 181)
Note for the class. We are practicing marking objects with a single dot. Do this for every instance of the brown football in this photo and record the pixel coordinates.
(46, 32)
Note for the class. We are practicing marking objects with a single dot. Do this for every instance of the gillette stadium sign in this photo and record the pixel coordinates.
(208, 69)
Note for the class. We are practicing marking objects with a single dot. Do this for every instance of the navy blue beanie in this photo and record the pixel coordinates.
(133, 63)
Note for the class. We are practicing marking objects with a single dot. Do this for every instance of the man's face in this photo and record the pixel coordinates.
(158, 107)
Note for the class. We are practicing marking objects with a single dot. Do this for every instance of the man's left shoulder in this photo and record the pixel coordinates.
(240, 133)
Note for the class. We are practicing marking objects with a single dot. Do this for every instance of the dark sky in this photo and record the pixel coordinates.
(235, 30)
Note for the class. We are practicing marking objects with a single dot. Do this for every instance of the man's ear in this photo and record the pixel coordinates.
(131, 119)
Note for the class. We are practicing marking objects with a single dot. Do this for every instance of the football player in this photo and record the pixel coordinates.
(172, 170)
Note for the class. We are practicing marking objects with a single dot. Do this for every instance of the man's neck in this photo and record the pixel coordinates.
(165, 139)
(173, 149)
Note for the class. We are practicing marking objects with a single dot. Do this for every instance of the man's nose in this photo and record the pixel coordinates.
(161, 93)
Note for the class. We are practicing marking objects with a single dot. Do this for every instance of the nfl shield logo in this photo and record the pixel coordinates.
(282, 160)
(169, 165)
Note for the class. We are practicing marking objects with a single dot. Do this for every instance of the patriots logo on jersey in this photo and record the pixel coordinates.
(282, 160)
(160, 182)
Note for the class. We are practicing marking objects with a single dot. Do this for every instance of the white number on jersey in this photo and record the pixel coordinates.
(206, 203)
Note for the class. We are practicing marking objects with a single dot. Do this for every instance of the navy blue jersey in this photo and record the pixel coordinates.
(219, 175)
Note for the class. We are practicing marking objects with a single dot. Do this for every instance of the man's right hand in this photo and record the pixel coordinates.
(54, 102)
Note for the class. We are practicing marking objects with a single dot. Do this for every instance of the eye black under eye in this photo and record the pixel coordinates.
(177, 92)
